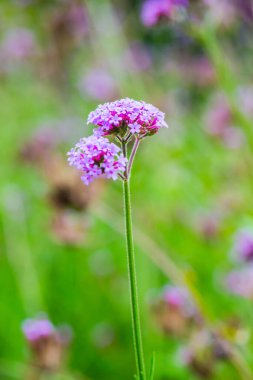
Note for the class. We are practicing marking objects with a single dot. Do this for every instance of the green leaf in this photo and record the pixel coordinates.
(152, 368)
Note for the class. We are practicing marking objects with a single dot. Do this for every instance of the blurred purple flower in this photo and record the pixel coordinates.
(208, 224)
(178, 298)
(97, 157)
(175, 296)
(153, 10)
(137, 57)
(240, 282)
(174, 310)
(222, 12)
(138, 117)
(245, 8)
(35, 329)
(218, 116)
(245, 99)
(98, 84)
(78, 20)
(219, 123)
(18, 43)
(204, 349)
(244, 245)
(47, 343)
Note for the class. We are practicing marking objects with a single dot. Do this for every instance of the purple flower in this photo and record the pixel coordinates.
(127, 115)
(219, 123)
(178, 298)
(240, 282)
(98, 84)
(35, 329)
(97, 157)
(77, 19)
(244, 245)
(222, 12)
(153, 10)
(137, 57)
(18, 43)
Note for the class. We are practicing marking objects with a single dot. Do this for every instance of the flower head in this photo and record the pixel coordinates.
(35, 329)
(96, 157)
(175, 296)
(19, 43)
(98, 84)
(153, 10)
(127, 115)
(174, 310)
(178, 298)
(244, 245)
(46, 342)
(240, 282)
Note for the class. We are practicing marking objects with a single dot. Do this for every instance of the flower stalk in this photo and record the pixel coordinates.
(95, 156)
(132, 274)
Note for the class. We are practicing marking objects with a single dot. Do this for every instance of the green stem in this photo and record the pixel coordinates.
(133, 284)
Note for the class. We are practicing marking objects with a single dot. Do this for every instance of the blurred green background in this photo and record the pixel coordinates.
(191, 184)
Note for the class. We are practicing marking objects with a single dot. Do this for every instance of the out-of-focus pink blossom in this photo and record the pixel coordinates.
(78, 20)
(208, 224)
(18, 43)
(222, 12)
(137, 57)
(243, 246)
(178, 298)
(199, 71)
(47, 342)
(240, 282)
(154, 10)
(245, 9)
(203, 351)
(174, 310)
(175, 296)
(219, 123)
(245, 99)
(35, 329)
(98, 84)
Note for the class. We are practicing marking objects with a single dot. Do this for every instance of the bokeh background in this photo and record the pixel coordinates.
(62, 248)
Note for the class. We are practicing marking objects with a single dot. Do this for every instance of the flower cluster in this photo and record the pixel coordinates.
(178, 298)
(127, 115)
(244, 245)
(19, 44)
(125, 119)
(174, 310)
(35, 329)
(46, 342)
(97, 157)
(240, 282)
(154, 10)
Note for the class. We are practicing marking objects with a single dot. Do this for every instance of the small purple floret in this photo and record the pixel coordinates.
(175, 296)
(96, 157)
(136, 117)
(240, 282)
(244, 245)
(35, 329)
(19, 43)
(153, 10)
(178, 298)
